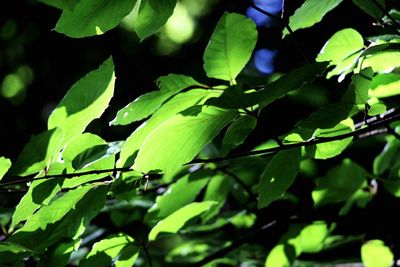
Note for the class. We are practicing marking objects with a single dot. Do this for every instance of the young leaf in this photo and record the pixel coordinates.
(340, 46)
(310, 13)
(147, 104)
(93, 17)
(153, 14)
(181, 138)
(230, 47)
(374, 253)
(278, 176)
(237, 133)
(174, 222)
(85, 101)
(65, 217)
(181, 193)
(116, 250)
(39, 152)
(177, 104)
(311, 238)
(5, 164)
(281, 255)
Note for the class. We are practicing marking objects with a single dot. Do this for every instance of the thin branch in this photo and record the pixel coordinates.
(146, 253)
(31, 178)
(384, 11)
(368, 130)
(234, 245)
(286, 25)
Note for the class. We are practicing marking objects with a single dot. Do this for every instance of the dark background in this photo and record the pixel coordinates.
(57, 62)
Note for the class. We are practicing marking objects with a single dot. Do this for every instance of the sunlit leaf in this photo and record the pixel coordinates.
(85, 101)
(65, 217)
(311, 238)
(310, 13)
(117, 250)
(177, 104)
(180, 139)
(93, 17)
(357, 93)
(5, 164)
(278, 176)
(217, 190)
(95, 153)
(383, 62)
(153, 14)
(282, 255)
(147, 104)
(331, 149)
(385, 85)
(230, 47)
(374, 253)
(59, 254)
(340, 46)
(174, 222)
(237, 133)
(39, 152)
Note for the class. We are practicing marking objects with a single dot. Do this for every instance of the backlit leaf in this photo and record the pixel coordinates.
(5, 164)
(174, 222)
(230, 47)
(180, 139)
(85, 101)
(374, 253)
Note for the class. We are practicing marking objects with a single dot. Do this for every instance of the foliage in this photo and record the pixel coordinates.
(189, 175)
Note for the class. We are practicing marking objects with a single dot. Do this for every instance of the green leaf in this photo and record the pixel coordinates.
(310, 13)
(340, 46)
(93, 17)
(278, 176)
(374, 253)
(387, 158)
(311, 238)
(61, 4)
(217, 190)
(174, 222)
(332, 148)
(147, 104)
(181, 193)
(235, 98)
(39, 194)
(342, 183)
(370, 7)
(85, 101)
(11, 252)
(39, 152)
(237, 133)
(357, 93)
(116, 250)
(344, 67)
(65, 217)
(177, 104)
(282, 255)
(153, 14)
(230, 47)
(383, 62)
(94, 154)
(377, 109)
(385, 85)
(181, 138)
(59, 254)
(5, 164)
